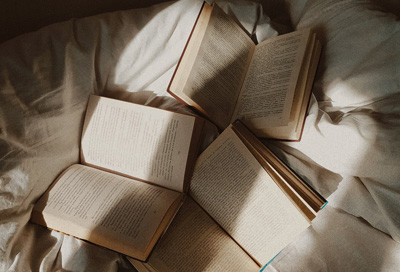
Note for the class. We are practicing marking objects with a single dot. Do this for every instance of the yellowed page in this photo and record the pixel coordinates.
(303, 196)
(230, 184)
(218, 72)
(140, 266)
(190, 52)
(104, 208)
(268, 91)
(194, 242)
(293, 130)
(139, 141)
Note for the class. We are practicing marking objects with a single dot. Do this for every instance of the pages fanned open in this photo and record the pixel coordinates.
(224, 75)
(135, 171)
(141, 188)
(245, 206)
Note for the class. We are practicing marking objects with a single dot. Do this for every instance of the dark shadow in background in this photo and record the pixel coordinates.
(18, 17)
(14, 19)
(43, 156)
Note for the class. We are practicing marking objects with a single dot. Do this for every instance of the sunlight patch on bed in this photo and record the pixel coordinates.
(147, 62)
(337, 134)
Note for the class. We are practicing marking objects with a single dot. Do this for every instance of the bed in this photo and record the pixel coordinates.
(349, 151)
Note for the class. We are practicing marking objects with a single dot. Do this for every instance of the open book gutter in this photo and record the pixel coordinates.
(139, 164)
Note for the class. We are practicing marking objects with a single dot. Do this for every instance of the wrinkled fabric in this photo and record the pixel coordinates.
(349, 150)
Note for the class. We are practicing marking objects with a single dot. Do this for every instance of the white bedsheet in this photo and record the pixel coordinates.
(349, 151)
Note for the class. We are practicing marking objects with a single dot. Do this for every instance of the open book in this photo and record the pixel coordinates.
(136, 165)
(224, 75)
(245, 206)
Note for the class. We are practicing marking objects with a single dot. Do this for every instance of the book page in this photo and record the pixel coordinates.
(293, 130)
(219, 69)
(307, 200)
(194, 242)
(230, 184)
(106, 209)
(185, 64)
(268, 91)
(146, 143)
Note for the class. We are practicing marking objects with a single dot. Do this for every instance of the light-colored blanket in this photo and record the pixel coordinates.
(349, 152)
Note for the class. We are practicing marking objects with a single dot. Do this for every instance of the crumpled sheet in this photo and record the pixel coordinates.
(349, 150)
